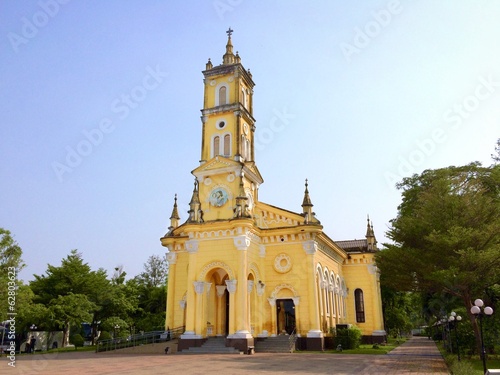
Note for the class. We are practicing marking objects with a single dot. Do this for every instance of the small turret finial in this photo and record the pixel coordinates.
(229, 57)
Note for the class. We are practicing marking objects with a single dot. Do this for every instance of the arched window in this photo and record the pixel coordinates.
(245, 148)
(360, 306)
(216, 145)
(244, 97)
(222, 95)
(327, 297)
(227, 145)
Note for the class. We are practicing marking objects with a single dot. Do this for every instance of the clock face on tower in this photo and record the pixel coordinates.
(218, 197)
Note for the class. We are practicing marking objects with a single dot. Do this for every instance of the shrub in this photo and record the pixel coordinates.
(104, 336)
(349, 338)
(77, 340)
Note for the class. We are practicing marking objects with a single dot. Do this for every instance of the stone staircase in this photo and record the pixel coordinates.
(213, 345)
(278, 344)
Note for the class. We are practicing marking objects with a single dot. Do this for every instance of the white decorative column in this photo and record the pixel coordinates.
(206, 302)
(331, 289)
(241, 308)
(220, 308)
(249, 303)
(260, 288)
(172, 260)
(324, 301)
(310, 247)
(190, 333)
(296, 301)
(231, 288)
(200, 320)
(272, 302)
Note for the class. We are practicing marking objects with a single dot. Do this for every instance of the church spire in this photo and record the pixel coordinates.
(307, 207)
(241, 210)
(229, 57)
(174, 218)
(307, 200)
(195, 212)
(370, 235)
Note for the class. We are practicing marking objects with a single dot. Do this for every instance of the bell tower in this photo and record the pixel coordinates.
(228, 177)
(227, 114)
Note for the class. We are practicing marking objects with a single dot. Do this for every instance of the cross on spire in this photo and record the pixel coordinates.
(229, 32)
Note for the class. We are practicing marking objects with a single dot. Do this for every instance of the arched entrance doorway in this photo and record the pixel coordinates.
(218, 305)
(285, 310)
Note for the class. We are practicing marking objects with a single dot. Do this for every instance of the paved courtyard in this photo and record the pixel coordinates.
(417, 356)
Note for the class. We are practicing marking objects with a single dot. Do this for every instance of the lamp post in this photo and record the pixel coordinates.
(455, 318)
(444, 322)
(476, 310)
(117, 327)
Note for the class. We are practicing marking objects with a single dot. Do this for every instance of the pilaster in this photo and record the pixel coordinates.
(172, 261)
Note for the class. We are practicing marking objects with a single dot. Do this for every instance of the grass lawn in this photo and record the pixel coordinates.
(63, 350)
(370, 349)
(469, 364)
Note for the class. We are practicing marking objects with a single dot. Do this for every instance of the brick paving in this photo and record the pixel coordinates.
(417, 356)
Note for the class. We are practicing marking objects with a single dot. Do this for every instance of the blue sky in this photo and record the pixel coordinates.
(100, 106)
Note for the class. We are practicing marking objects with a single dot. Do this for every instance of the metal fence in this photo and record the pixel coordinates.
(138, 339)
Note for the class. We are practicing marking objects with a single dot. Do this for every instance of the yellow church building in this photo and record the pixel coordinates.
(247, 270)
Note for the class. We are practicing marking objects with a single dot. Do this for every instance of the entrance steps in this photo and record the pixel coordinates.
(278, 344)
(213, 345)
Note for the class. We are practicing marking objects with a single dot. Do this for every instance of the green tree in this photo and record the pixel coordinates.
(401, 311)
(71, 309)
(155, 271)
(149, 287)
(447, 231)
(10, 264)
(496, 155)
(59, 286)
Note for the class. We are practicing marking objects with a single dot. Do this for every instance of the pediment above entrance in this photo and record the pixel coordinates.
(216, 165)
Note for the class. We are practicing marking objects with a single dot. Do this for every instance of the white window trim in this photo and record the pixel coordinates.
(221, 144)
(217, 88)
